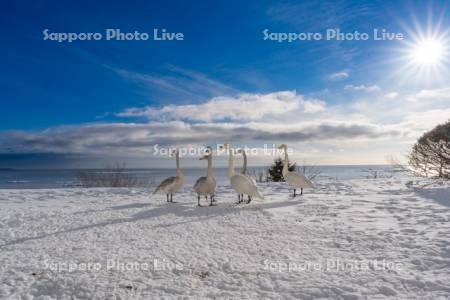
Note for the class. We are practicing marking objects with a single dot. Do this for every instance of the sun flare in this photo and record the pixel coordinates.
(424, 56)
(427, 52)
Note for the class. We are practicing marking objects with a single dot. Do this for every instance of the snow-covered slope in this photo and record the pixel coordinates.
(358, 239)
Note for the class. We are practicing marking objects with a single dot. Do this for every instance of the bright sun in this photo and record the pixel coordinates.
(423, 56)
(428, 52)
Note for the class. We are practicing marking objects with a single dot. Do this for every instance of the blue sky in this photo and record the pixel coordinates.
(336, 102)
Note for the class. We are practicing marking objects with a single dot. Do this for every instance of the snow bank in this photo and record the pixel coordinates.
(345, 240)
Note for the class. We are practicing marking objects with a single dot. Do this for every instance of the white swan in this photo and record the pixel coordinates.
(172, 184)
(244, 166)
(205, 186)
(240, 183)
(296, 180)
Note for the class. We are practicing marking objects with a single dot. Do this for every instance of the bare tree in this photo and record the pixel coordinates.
(430, 156)
(261, 176)
(310, 171)
(396, 164)
(115, 176)
(372, 174)
(379, 173)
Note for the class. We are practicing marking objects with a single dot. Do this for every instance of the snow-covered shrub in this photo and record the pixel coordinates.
(430, 156)
(116, 176)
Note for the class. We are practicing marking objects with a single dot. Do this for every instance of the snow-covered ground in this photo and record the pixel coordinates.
(355, 239)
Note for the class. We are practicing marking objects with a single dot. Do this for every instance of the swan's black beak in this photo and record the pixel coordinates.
(203, 157)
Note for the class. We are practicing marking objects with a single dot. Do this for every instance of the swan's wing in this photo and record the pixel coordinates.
(205, 186)
(252, 179)
(166, 183)
(258, 194)
(245, 185)
(199, 181)
(298, 180)
(242, 184)
(213, 182)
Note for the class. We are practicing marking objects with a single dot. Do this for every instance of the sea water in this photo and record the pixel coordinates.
(27, 179)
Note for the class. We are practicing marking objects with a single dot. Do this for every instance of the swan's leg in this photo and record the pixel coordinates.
(239, 199)
(171, 198)
(198, 200)
(242, 198)
(294, 193)
(211, 198)
(301, 191)
(249, 199)
(167, 196)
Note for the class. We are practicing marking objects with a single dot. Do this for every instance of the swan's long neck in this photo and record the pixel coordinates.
(244, 165)
(286, 162)
(210, 170)
(177, 157)
(230, 164)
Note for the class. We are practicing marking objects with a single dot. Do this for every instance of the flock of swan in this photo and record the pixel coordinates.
(242, 183)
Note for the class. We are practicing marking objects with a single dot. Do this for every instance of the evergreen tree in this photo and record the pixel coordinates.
(276, 170)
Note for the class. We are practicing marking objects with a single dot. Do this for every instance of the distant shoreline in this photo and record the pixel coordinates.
(187, 167)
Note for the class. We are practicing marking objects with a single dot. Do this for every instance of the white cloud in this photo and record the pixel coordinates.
(431, 95)
(244, 107)
(391, 95)
(339, 75)
(362, 87)
(178, 83)
(134, 139)
(413, 113)
(367, 129)
(421, 121)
